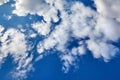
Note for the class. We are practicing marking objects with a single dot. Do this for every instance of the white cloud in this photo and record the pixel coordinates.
(8, 17)
(102, 49)
(13, 38)
(82, 20)
(14, 42)
(3, 1)
(68, 60)
(41, 7)
(109, 18)
(23, 68)
(81, 50)
(109, 8)
(41, 27)
(109, 28)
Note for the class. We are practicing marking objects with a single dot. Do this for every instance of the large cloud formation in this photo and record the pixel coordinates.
(89, 29)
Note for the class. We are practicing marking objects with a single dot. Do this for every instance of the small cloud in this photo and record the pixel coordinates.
(8, 17)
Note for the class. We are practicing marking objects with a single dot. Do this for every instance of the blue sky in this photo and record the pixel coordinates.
(59, 40)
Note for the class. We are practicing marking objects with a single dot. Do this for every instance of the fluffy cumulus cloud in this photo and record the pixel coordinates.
(41, 8)
(41, 27)
(71, 28)
(108, 8)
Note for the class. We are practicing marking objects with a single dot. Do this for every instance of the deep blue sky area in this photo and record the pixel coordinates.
(89, 69)
(50, 67)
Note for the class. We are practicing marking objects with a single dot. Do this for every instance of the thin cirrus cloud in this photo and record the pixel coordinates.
(93, 30)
